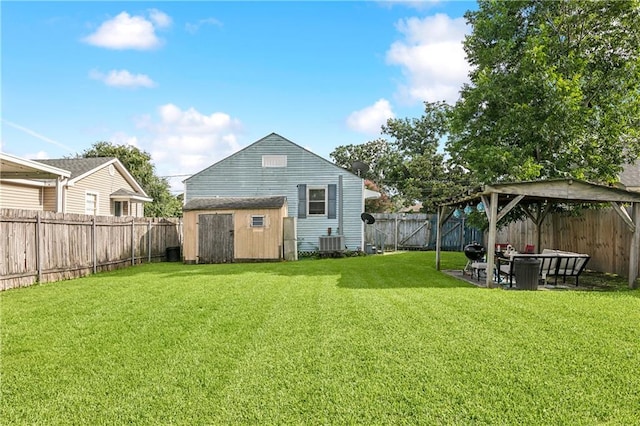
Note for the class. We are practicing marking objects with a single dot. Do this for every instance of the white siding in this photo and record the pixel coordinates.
(243, 175)
(16, 196)
(99, 182)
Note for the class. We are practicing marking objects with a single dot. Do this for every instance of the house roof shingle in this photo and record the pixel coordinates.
(236, 203)
(77, 166)
(630, 176)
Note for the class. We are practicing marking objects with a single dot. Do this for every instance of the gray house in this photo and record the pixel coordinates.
(325, 198)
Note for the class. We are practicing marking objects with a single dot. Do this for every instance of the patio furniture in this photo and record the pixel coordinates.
(556, 263)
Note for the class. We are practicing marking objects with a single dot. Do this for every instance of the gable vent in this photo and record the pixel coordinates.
(274, 161)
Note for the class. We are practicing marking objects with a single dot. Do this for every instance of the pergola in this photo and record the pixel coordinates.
(536, 198)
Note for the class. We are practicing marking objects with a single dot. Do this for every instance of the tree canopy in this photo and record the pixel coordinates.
(138, 163)
(409, 164)
(554, 91)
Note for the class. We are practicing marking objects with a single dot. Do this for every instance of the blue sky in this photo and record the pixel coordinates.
(193, 82)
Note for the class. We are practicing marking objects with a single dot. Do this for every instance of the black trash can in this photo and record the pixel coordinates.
(526, 272)
(173, 254)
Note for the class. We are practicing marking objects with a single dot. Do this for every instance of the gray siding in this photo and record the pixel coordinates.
(242, 175)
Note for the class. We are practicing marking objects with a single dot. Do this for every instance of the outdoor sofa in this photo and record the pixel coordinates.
(553, 263)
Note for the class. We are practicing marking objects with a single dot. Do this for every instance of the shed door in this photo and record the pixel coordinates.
(215, 238)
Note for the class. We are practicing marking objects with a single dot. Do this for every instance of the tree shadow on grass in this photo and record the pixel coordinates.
(401, 270)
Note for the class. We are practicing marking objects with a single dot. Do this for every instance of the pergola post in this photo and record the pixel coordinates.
(444, 212)
(634, 251)
(491, 243)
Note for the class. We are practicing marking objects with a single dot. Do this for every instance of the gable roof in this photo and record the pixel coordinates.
(78, 166)
(12, 167)
(630, 176)
(82, 167)
(125, 194)
(236, 203)
(261, 140)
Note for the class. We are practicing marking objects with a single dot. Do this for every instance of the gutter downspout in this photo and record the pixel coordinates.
(61, 183)
(340, 208)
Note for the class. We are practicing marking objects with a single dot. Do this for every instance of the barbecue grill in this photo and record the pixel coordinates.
(474, 252)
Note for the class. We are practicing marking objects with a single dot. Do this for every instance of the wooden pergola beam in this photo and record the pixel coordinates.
(549, 192)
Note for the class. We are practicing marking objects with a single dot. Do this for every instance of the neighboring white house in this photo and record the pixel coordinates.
(95, 186)
(324, 197)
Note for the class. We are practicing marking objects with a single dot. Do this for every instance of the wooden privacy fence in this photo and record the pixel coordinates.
(46, 246)
(413, 231)
(602, 234)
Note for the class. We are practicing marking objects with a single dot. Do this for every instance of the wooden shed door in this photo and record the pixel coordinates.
(215, 238)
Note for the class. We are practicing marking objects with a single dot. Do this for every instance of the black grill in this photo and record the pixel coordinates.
(474, 252)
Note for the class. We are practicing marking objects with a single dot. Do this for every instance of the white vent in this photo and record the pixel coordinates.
(274, 161)
(332, 243)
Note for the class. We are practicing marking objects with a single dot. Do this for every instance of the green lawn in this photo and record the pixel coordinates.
(363, 340)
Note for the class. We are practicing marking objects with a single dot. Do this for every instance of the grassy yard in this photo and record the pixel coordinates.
(366, 340)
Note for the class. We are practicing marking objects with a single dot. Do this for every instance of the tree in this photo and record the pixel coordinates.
(554, 91)
(374, 153)
(410, 167)
(377, 205)
(138, 163)
(418, 170)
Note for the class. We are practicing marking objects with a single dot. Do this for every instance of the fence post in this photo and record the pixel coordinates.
(94, 245)
(149, 240)
(38, 246)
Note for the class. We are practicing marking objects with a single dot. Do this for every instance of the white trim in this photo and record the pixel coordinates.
(326, 200)
(30, 165)
(97, 203)
(123, 171)
(255, 216)
(25, 182)
(60, 195)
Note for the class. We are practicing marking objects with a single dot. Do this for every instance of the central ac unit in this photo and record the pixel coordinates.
(332, 243)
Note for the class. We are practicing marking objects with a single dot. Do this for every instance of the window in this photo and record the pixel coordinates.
(257, 221)
(117, 208)
(317, 201)
(274, 161)
(91, 203)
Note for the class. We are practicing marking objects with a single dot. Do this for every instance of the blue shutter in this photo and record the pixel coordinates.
(302, 201)
(332, 197)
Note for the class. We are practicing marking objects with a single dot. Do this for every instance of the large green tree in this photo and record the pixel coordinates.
(138, 163)
(376, 154)
(554, 91)
(420, 171)
(409, 165)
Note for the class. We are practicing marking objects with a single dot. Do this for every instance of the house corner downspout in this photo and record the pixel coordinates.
(340, 206)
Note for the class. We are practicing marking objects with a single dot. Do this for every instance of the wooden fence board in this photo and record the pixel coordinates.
(67, 245)
(600, 233)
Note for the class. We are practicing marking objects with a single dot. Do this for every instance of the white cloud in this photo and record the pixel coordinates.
(431, 57)
(40, 155)
(121, 138)
(130, 32)
(193, 28)
(183, 142)
(161, 19)
(370, 119)
(122, 78)
(414, 4)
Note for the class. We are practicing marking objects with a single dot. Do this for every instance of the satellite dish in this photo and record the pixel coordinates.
(368, 218)
(359, 168)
